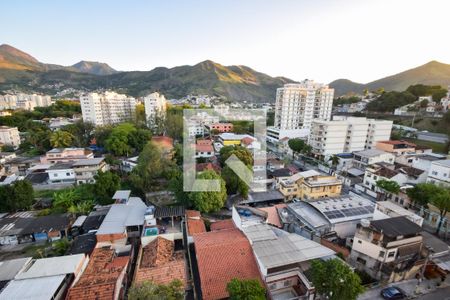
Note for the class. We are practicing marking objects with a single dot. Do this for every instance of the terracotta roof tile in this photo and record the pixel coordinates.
(160, 263)
(101, 276)
(273, 217)
(221, 225)
(221, 256)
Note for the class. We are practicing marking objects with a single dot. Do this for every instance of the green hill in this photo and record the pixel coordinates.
(432, 73)
(239, 83)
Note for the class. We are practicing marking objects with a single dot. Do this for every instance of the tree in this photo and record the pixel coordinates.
(82, 133)
(296, 145)
(139, 138)
(151, 166)
(389, 186)
(148, 290)
(249, 289)
(118, 141)
(335, 280)
(61, 246)
(334, 161)
(22, 194)
(7, 148)
(106, 184)
(64, 200)
(16, 196)
(61, 139)
(422, 193)
(241, 153)
(441, 200)
(209, 201)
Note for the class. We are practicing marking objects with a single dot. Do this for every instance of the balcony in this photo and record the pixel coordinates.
(289, 285)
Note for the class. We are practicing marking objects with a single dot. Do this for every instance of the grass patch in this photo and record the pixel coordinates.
(437, 147)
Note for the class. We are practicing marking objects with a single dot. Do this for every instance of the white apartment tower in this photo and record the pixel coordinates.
(346, 135)
(9, 136)
(24, 101)
(107, 108)
(298, 104)
(155, 105)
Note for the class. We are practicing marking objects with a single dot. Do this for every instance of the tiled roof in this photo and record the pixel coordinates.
(160, 263)
(221, 225)
(204, 148)
(163, 141)
(247, 140)
(221, 256)
(272, 214)
(207, 167)
(101, 276)
(194, 222)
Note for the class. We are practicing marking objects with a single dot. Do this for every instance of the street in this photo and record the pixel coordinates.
(440, 294)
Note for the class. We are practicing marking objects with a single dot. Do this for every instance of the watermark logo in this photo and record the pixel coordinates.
(196, 123)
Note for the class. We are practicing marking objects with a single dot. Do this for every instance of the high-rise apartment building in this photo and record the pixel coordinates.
(9, 136)
(155, 106)
(24, 101)
(107, 108)
(297, 105)
(346, 135)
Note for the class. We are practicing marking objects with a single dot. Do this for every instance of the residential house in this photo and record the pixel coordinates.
(398, 173)
(362, 159)
(309, 185)
(122, 221)
(284, 259)
(388, 249)
(66, 155)
(127, 164)
(46, 278)
(220, 127)
(420, 161)
(222, 256)
(159, 262)
(439, 173)
(61, 173)
(86, 169)
(105, 277)
(10, 268)
(338, 215)
(400, 147)
(387, 209)
(204, 149)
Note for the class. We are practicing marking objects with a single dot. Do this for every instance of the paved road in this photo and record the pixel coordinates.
(440, 294)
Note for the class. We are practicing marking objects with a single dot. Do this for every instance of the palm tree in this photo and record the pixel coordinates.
(334, 161)
(61, 138)
(388, 186)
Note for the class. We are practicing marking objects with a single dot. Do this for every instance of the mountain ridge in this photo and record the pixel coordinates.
(19, 70)
(431, 73)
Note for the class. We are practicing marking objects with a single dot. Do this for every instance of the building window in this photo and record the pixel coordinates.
(359, 242)
(391, 254)
(382, 253)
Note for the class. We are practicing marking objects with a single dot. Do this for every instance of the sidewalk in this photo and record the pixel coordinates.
(409, 286)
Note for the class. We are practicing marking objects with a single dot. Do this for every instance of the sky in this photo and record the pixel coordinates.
(361, 40)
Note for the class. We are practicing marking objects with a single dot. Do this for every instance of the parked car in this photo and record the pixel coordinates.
(392, 292)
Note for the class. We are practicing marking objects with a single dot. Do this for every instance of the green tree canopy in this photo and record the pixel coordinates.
(248, 289)
(151, 291)
(151, 166)
(209, 201)
(299, 146)
(106, 184)
(118, 141)
(335, 280)
(16, 196)
(422, 193)
(82, 133)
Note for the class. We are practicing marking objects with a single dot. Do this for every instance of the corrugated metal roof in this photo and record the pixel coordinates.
(42, 288)
(122, 194)
(121, 215)
(288, 249)
(10, 268)
(52, 266)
